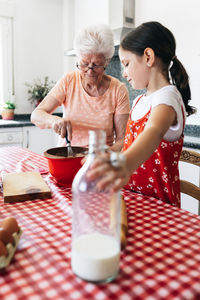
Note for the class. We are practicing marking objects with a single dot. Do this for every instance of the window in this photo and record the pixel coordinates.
(6, 59)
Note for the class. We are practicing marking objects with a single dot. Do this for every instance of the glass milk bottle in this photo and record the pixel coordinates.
(95, 223)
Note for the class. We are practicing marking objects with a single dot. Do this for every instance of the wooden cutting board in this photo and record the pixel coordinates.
(24, 186)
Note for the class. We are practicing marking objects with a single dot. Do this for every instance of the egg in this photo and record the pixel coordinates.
(10, 224)
(5, 236)
(3, 249)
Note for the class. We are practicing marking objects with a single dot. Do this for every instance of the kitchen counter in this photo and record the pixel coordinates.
(19, 121)
(192, 136)
(191, 132)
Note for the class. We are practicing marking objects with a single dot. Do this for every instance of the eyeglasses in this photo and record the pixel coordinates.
(85, 68)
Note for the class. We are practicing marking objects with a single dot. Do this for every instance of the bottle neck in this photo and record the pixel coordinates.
(96, 148)
(97, 141)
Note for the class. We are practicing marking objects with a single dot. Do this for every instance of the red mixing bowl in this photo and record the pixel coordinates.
(62, 167)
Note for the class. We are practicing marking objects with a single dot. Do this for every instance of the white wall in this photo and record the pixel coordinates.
(38, 45)
(182, 18)
(68, 26)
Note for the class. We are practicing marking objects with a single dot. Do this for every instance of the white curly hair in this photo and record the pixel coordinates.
(96, 38)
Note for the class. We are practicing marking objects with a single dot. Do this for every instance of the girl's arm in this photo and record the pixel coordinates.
(162, 117)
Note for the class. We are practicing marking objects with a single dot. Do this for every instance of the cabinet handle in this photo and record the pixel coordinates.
(27, 138)
(10, 137)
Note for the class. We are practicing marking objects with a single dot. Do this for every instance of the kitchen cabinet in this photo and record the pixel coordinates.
(116, 13)
(30, 137)
(11, 137)
(191, 173)
(39, 140)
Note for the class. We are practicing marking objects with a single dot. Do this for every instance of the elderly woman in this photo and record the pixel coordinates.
(90, 99)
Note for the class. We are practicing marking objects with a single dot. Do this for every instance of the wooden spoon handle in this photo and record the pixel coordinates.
(123, 222)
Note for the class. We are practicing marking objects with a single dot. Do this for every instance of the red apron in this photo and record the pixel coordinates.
(159, 175)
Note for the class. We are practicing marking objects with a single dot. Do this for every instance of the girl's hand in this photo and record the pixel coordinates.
(102, 168)
(61, 126)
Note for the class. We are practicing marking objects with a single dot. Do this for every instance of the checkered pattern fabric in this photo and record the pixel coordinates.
(161, 259)
(92, 212)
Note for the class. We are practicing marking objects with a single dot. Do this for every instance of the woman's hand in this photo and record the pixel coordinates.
(102, 168)
(42, 117)
(61, 126)
(120, 122)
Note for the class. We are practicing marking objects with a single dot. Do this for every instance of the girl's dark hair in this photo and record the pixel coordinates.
(160, 39)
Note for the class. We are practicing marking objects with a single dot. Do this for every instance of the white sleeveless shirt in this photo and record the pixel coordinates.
(168, 95)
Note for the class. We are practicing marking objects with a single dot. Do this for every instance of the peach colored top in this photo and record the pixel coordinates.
(86, 112)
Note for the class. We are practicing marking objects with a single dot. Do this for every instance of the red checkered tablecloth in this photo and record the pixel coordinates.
(161, 259)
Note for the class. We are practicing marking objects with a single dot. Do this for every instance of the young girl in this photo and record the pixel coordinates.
(154, 134)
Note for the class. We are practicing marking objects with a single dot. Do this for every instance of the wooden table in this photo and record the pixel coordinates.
(161, 259)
